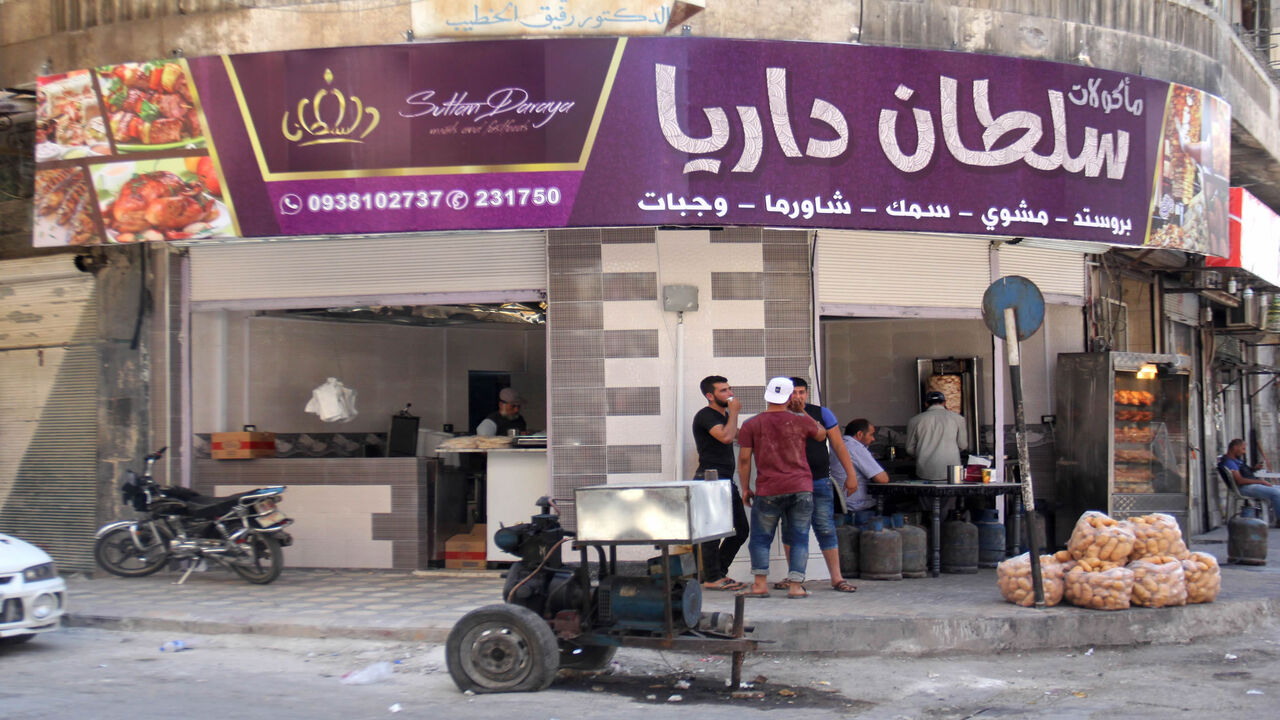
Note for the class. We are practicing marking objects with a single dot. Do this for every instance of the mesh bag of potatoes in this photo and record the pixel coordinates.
(1158, 581)
(1204, 578)
(1099, 537)
(1013, 577)
(1101, 590)
(1156, 534)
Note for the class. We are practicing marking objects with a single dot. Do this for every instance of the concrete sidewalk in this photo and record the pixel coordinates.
(952, 613)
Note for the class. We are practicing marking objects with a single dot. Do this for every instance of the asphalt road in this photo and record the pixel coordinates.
(99, 674)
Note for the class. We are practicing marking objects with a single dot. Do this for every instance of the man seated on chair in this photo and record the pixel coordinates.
(1234, 463)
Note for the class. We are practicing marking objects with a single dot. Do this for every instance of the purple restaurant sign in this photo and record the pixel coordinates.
(641, 131)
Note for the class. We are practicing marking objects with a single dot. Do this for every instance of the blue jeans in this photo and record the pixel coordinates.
(824, 515)
(766, 512)
(1265, 492)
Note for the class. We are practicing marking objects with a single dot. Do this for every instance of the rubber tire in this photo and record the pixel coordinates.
(274, 565)
(514, 632)
(120, 539)
(17, 639)
(592, 657)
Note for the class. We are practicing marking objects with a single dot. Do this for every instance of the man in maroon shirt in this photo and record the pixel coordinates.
(784, 484)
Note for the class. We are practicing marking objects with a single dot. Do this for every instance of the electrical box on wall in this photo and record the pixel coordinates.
(679, 298)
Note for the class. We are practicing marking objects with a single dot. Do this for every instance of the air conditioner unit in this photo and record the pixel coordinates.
(1228, 349)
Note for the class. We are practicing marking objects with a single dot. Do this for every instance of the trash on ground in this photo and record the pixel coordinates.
(395, 708)
(676, 698)
(1229, 657)
(374, 673)
(175, 646)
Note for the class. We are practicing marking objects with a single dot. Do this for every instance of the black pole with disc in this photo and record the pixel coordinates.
(1013, 309)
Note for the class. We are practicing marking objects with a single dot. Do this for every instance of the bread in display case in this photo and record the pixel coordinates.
(1121, 440)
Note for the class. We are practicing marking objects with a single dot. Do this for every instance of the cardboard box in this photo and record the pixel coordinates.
(243, 445)
(465, 552)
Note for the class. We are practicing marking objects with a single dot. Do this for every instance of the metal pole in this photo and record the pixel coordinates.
(1024, 457)
(735, 671)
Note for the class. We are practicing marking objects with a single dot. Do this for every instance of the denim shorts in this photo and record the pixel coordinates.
(824, 514)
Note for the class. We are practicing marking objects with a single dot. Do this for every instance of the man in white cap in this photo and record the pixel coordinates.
(775, 439)
(507, 417)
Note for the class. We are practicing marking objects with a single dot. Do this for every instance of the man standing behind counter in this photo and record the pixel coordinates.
(935, 438)
(507, 417)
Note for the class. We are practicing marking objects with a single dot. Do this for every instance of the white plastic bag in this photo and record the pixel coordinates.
(377, 672)
(333, 402)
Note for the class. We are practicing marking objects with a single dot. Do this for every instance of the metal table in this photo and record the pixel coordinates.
(938, 490)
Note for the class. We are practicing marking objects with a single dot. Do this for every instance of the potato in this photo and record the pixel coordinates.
(1158, 582)
(1204, 577)
(1013, 577)
(1107, 589)
(1156, 534)
(1097, 536)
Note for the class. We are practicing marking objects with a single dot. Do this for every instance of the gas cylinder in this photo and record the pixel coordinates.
(1247, 538)
(880, 553)
(847, 537)
(959, 545)
(915, 548)
(990, 538)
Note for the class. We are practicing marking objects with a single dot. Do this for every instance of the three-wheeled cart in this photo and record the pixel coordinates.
(562, 616)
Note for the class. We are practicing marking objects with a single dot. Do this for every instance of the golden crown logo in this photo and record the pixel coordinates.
(340, 128)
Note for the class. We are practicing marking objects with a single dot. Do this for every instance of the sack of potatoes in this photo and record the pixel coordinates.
(1158, 581)
(1013, 577)
(1204, 577)
(1101, 589)
(1156, 534)
(1099, 537)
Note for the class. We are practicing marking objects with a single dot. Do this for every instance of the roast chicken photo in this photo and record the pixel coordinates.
(161, 200)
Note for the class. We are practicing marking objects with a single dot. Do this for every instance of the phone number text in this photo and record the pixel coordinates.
(433, 199)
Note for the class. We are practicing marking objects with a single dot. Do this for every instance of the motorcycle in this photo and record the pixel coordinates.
(243, 532)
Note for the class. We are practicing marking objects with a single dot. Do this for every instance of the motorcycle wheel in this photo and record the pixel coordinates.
(502, 648)
(117, 554)
(265, 560)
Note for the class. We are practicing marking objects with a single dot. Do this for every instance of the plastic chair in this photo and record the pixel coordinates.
(1235, 500)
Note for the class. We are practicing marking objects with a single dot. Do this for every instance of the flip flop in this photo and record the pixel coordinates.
(844, 586)
(782, 585)
(724, 584)
(750, 594)
(803, 593)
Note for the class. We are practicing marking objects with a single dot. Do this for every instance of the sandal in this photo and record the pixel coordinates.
(724, 583)
(782, 585)
(750, 594)
(844, 586)
(796, 596)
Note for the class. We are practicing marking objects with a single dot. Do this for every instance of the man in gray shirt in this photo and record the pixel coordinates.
(935, 438)
(858, 436)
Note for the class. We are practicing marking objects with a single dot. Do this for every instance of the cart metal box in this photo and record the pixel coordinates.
(686, 512)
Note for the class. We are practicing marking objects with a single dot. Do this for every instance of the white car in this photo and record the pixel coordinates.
(32, 596)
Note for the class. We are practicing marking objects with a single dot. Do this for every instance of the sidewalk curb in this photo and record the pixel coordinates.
(294, 630)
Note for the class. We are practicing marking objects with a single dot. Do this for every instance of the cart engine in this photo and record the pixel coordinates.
(542, 583)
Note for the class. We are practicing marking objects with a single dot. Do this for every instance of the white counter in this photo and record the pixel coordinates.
(514, 480)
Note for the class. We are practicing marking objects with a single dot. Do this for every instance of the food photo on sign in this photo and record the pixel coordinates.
(70, 123)
(1189, 207)
(150, 106)
(157, 200)
(64, 209)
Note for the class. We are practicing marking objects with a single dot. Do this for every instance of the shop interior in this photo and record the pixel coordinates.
(871, 369)
(421, 375)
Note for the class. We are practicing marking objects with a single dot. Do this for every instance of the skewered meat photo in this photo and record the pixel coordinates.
(64, 208)
(150, 105)
(159, 200)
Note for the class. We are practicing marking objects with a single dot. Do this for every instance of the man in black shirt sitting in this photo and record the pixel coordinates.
(715, 427)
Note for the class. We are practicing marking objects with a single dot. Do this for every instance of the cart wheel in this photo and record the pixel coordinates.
(502, 648)
(585, 657)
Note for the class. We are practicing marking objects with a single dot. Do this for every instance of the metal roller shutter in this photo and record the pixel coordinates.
(857, 268)
(1055, 272)
(275, 272)
(49, 373)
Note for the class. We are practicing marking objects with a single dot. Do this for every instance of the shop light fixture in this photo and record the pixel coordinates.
(1147, 371)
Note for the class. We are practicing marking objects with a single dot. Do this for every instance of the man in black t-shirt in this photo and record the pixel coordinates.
(715, 427)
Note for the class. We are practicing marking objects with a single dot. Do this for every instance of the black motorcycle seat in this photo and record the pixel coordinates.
(205, 506)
